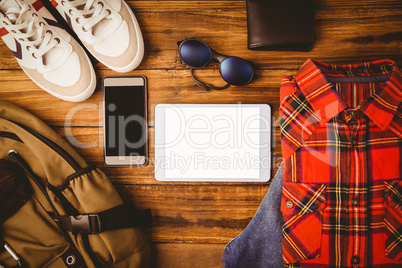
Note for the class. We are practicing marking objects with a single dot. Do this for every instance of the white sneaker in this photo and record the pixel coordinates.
(46, 52)
(107, 28)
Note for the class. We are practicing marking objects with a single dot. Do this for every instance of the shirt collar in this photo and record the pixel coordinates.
(318, 90)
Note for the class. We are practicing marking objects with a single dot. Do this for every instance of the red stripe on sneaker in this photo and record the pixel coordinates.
(54, 3)
(37, 5)
(3, 32)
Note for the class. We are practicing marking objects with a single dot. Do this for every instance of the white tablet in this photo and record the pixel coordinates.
(213, 142)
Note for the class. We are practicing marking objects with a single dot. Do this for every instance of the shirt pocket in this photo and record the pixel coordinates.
(302, 207)
(393, 219)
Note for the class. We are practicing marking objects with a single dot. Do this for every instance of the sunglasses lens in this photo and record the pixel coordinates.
(236, 71)
(195, 53)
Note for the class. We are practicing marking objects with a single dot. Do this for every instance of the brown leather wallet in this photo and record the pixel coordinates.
(280, 24)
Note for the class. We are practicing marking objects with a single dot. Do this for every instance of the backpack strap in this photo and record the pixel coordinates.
(119, 217)
(21, 162)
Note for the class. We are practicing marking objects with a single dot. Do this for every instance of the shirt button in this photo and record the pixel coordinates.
(354, 143)
(355, 260)
(289, 204)
(355, 201)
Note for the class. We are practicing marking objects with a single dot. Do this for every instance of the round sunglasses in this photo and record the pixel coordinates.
(234, 70)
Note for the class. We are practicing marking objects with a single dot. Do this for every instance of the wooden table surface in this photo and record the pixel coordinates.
(194, 221)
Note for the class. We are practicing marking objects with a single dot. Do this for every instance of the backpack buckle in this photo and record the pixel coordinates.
(86, 224)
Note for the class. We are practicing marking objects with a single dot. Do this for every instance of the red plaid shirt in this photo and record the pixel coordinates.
(341, 130)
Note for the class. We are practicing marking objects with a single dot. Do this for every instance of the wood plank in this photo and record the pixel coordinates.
(164, 86)
(195, 213)
(168, 255)
(357, 30)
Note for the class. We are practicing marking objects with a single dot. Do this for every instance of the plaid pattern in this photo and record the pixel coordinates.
(302, 206)
(393, 219)
(341, 129)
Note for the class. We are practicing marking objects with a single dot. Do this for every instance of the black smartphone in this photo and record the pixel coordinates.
(125, 127)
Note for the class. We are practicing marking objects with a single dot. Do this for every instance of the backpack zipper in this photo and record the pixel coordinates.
(20, 161)
(66, 156)
(10, 136)
(54, 146)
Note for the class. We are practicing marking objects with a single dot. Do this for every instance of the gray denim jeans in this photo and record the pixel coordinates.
(260, 244)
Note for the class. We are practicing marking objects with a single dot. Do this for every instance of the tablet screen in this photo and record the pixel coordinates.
(214, 142)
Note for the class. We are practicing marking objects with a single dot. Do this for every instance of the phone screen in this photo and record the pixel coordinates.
(125, 120)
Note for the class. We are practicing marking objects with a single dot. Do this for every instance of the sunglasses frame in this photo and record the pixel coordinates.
(219, 58)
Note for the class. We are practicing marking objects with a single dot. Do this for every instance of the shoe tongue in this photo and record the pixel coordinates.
(11, 9)
(52, 56)
(101, 26)
(5, 5)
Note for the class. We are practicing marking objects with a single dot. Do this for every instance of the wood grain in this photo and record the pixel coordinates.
(195, 213)
(187, 255)
(194, 221)
(346, 32)
(164, 86)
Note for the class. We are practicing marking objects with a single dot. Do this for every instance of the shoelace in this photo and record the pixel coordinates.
(88, 12)
(29, 32)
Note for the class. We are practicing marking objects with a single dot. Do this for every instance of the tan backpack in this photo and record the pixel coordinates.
(55, 210)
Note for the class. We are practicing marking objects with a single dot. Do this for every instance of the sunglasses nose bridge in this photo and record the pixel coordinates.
(217, 56)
